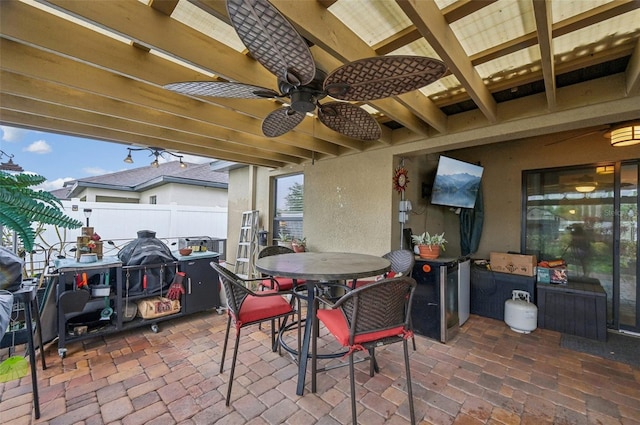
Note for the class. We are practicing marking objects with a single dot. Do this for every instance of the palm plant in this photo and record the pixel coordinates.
(21, 206)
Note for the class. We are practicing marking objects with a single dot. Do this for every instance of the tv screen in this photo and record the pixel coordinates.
(456, 183)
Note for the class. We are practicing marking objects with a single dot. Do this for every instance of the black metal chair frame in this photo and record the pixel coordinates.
(27, 295)
(376, 307)
(237, 291)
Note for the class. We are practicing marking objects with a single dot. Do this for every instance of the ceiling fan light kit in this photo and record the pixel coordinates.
(626, 134)
(274, 42)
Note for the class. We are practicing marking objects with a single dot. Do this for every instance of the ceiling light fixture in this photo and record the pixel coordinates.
(626, 134)
(586, 185)
(157, 153)
(605, 169)
(9, 165)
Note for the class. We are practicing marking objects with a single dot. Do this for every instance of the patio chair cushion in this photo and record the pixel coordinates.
(285, 283)
(336, 324)
(255, 308)
(361, 282)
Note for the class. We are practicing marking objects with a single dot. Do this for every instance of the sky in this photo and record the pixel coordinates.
(60, 158)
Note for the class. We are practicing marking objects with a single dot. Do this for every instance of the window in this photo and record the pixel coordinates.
(288, 208)
(153, 199)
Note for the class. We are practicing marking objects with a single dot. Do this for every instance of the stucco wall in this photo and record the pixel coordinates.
(350, 204)
(239, 200)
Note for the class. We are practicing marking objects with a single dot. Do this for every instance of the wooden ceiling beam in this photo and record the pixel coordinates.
(633, 72)
(164, 6)
(138, 22)
(580, 21)
(452, 13)
(432, 26)
(543, 18)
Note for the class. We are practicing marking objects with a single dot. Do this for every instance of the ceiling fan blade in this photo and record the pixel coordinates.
(272, 40)
(349, 120)
(599, 129)
(222, 89)
(281, 121)
(383, 76)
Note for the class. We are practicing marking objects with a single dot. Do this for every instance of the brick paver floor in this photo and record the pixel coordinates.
(487, 374)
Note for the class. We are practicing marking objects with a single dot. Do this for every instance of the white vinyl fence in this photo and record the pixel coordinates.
(120, 223)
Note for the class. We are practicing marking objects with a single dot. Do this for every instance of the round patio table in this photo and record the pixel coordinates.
(315, 268)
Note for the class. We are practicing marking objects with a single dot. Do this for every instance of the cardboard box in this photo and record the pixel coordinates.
(524, 265)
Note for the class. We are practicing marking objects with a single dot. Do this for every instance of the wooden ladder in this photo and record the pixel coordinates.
(247, 245)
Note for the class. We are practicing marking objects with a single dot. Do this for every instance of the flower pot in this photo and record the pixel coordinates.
(429, 252)
(298, 247)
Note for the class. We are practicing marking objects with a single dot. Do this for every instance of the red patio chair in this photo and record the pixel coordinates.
(368, 317)
(278, 283)
(245, 308)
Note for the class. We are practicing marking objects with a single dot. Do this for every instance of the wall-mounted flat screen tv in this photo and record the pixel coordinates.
(456, 183)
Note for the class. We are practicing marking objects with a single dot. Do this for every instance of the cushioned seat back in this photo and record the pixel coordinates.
(233, 287)
(385, 304)
(274, 250)
(402, 261)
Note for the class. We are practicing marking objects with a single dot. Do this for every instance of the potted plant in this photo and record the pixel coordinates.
(429, 245)
(299, 244)
(284, 239)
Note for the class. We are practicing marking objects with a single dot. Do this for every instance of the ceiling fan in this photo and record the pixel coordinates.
(274, 42)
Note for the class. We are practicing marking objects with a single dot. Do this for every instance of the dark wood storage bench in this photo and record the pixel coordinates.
(576, 308)
(489, 290)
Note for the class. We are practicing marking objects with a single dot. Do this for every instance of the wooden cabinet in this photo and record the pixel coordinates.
(201, 283)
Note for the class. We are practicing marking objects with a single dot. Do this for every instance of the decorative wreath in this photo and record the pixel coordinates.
(400, 179)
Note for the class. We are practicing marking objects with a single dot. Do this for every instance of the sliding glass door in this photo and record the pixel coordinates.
(588, 216)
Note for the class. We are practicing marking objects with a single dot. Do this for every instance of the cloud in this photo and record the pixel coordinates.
(193, 159)
(11, 134)
(39, 147)
(53, 184)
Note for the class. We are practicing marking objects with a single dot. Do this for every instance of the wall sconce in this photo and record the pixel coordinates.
(9, 165)
(626, 134)
(586, 185)
(156, 152)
